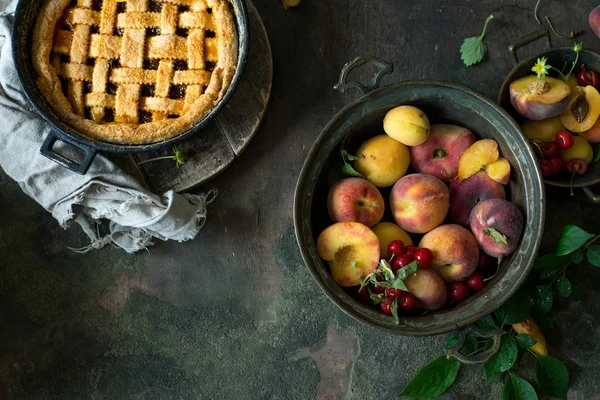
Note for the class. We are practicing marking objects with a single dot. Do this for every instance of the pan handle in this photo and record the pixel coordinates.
(383, 68)
(481, 357)
(79, 168)
(525, 40)
(594, 198)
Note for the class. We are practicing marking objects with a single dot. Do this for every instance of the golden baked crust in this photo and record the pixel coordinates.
(134, 71)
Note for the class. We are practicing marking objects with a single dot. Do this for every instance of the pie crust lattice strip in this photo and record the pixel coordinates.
(134, 71)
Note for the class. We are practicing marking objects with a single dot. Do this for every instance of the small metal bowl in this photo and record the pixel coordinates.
(442, 102)
(556, 57)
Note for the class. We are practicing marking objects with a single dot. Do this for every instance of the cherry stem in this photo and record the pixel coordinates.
(572, 176)
(495, 273)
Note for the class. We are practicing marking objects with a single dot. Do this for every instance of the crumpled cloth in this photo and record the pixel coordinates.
(135, 215)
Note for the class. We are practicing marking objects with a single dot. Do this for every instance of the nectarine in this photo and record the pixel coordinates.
(355, 200)
(497, 225)
(466, 194)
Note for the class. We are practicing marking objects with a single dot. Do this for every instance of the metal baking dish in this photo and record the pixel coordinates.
(24, 22)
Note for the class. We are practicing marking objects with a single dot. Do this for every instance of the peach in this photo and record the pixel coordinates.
(580, 149)
(497, 225)
(538, 99)
(476, 157)
(407, 124)
(592, 135)
(439, 155)
(466, 194)
(499, 170)
(428, 288)
(382, 160)
(351, 249)
(387, 232)
(419, 202)
(583, 109)
(455, 251)
(544, 129)
(594, 20)
(355, 200)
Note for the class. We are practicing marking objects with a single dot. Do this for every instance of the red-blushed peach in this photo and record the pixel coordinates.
(594, 20)
(351, 249)
(355, 200)
(455, 251)
(382, 160)
(419, 202)
(466, 194)
(538, 99)
(387, 232)
(428, 288)
(440, 154)
(497, 225)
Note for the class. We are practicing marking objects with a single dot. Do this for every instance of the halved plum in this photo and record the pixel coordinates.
(539, 99)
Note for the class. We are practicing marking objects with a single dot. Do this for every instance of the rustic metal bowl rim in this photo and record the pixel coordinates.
(505, 87)
(301, 190)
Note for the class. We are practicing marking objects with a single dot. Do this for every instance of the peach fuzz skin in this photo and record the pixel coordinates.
(455, 251)
(351, 249)
(419, 202)
(355, 200)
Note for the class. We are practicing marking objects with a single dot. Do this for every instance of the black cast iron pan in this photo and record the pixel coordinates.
(24, 22)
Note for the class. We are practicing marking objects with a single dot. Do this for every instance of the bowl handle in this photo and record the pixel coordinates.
(383, 68)
(481, 357)
(81, 168)
(532, 37)
(594, 198)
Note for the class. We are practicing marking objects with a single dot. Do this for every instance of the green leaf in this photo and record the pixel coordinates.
(552, 376)
(542, 298)
(487, 323)
(503, 360)
(470, 345)
(563, 287)
(407, 271)
(397, 281)
(496, 235)
(576, 287)
(593, 255)
(399, 284)
(525, 341)
(577, 256)
(515, 310)
(549, 274)
(517, 388)
(433, 379)
(597, 153)
(349, 170)
(395, 311)
(348, 156)
(472, 50)
(571, 239)
(550, 261)
(451, 342)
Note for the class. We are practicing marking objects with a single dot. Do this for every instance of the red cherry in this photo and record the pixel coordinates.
(546, 168)
(558, 165)
(401, 262)
(392, 293)
(564, 139)
(410, 250)
(475, 281)
(363, 294)
(424, 257)
(550, 149)
(577, 166)
(385, 307)
(406, 301)
(396, 248)
(377, 289)
(485, 261)
(582, 78)
(458, 291)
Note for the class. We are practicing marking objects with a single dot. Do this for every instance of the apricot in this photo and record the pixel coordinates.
(499, 170)
(355, 200)
(407, 124)
(544, 129)
(383, 160)
(476, 157)
(538, 99)
(581, 149)
(428, 288)
(351, 249)
(592, 135)
(583, 109)
(387, 232)
(419, 202)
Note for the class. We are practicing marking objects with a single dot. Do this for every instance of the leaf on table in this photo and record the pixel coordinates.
(470, 345)
(577, 256)
(542, 298)
(571, 239)
(593, 255)
(503, 360)
(563, 287)
(452, 341)
(486, 323)
(517, 388)
(433, 379)
(552, 376)
(472, 50)
(515, 310)
(551, 260)
(525, 341)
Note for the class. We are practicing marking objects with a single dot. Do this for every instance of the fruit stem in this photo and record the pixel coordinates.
(439, 153)
(487, 21)
(495, 273)
(535, 12)
(554, 30)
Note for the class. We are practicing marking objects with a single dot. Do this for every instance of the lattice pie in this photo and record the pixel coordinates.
(134, 71)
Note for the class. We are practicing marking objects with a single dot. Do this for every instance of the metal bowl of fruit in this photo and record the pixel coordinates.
(559, 111)
(420, 207)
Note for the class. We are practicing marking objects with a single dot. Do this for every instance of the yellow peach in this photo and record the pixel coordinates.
(407, 124)
(583, 109)
(382, 160)
(581, 149)
(387, 232)
(476, 157)
(499, 170)
(544, 129)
